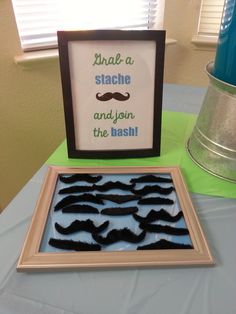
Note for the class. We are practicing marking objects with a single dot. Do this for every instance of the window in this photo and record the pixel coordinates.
(210, 17)
(39, 20)
(209, 21)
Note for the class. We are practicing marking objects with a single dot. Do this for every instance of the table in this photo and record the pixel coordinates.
(191, 290)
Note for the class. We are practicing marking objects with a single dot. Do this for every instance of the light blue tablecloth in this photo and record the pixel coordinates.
(191, 290)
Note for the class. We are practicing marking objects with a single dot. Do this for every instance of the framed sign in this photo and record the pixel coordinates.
(112, 84)
(113, 217)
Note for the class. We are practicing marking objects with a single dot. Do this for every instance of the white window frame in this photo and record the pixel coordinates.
(30, 57)
(37, 21)
(210, 14)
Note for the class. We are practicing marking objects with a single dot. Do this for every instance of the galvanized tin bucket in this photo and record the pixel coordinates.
(212, 144)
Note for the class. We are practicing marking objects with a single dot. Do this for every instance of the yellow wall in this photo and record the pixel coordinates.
(184, 63)
(31, 111)
(31, 108)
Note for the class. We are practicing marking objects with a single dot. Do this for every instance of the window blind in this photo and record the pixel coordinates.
(39, 20)
(210, 17)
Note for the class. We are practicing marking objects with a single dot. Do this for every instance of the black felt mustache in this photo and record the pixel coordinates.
(81, 225)
(153, 228)
(154, 189)
(80, 177)
(161, 214)
(119, 199)
(156, 201)
(74, 245)
(119, 211)
(77, 189)
(117, 235)
(80, 209)
(164, 245)
(68, 200)
(110, 185)
(150, 178)
(109, 96)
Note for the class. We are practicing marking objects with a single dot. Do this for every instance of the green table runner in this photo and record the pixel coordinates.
(176, 129)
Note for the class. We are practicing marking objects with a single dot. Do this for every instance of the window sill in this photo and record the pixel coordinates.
(35, 56)
(28, 58)
(204, 42)
(170, 41)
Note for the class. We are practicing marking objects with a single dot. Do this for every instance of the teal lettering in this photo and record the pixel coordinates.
(98, 79)
(130, 131)
(119, 79)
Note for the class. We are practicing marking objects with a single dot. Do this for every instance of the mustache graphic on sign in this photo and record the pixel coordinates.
(109, 96)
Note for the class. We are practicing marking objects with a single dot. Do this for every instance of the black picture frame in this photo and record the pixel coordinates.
(151, 43)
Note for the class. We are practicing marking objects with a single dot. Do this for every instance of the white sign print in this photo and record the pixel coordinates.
(112, 87)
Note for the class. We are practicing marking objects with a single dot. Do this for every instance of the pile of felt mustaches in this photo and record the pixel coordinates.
(85, 194)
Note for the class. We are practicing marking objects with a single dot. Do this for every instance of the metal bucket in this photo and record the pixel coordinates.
(212, 144)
